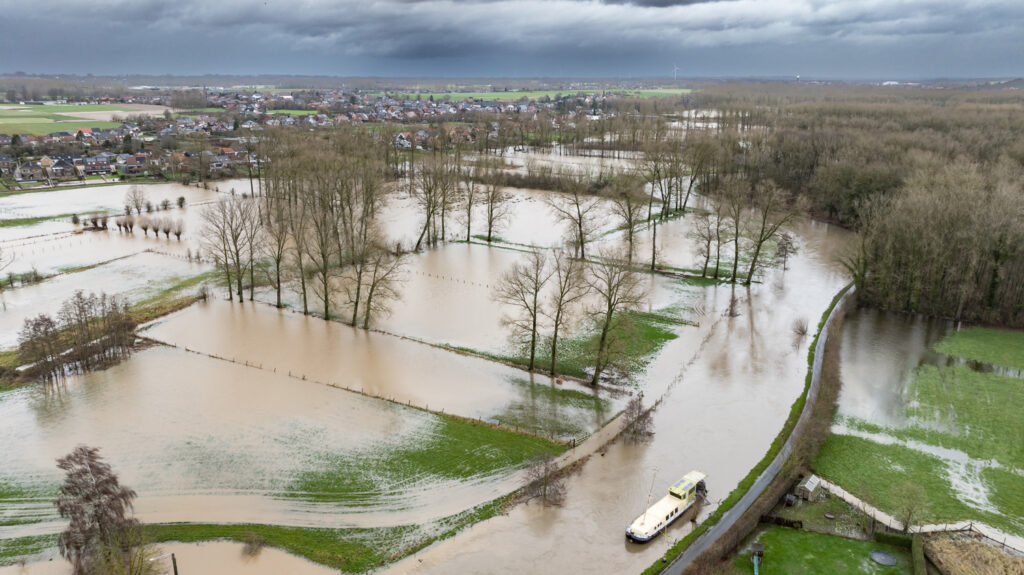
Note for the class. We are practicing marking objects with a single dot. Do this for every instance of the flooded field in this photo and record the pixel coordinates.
(726, 389)
(211, 558)
(136, 277)
(205, 440)
(337, 354)
(52, 245)
(242, 421)
(906, 409)
(448, 297)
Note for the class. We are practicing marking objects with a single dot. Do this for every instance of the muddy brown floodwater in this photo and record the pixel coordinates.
(377, 364)
(727, 388)
(211, 558)
(448, 297)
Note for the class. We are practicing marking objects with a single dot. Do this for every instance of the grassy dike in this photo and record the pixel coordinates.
(773, 450)
(350, 550)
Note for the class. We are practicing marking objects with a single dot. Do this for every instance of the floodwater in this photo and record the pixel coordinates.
(205, 440)
(52, 245)
(879, 355)
(726, 389)
(210, 558)
(448, 297)
(529, 221)
(377, 364)
(135, 277)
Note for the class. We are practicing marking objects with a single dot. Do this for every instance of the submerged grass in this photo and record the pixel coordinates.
(454, 450)
(16, 222)
(549, 411)
(14, 550)
(999, 347)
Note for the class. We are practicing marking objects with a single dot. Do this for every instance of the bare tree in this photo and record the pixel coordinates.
(785, 248)
(734, 202)
(544, 482)
(520, 287)
(638, 421)
(275, 240)
(703, 234)
(628, 199)
(98, 506)
(619, 290)
(577, 210)
(570, 287)
(135, 199)
(470, 195)
(178, 228)
(383, 280)
(772, 209)
(496, 202)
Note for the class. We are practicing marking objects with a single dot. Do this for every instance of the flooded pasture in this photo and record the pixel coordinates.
(206, 440)
(365, 362)
(136, 277)
(726, 389)
(210, 558)
(448, 297)
(53, 245)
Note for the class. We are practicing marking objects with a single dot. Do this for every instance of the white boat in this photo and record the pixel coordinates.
(681, 495)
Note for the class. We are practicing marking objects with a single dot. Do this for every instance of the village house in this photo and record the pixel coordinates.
(29, 171)
(6, 164)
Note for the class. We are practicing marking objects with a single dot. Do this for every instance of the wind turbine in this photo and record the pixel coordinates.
(675, 72)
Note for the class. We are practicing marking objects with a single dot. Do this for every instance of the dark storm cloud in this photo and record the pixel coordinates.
(521, 37)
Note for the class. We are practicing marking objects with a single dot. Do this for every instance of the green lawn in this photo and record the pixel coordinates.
(949, 407)
(802, 553)
(999, 347)
(39, 120)
(15, 222)
(877, 473)
(11, 550)
(660, 93)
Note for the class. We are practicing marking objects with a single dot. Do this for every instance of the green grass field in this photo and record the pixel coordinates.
(39, 120)
(802, 553)
(999, 347)
(640, 336)
(950, 408)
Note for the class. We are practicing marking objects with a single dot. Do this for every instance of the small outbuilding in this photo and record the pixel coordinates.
(808, 488)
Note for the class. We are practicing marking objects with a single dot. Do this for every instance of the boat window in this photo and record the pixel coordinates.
(674, 494)
(690, 494)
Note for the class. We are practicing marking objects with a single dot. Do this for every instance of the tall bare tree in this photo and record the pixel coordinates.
(570, 287)
(628, 199)
(773, 208)
(496, 202)
(520, 287)
(578, 210)
(384, 277)
(619, 290)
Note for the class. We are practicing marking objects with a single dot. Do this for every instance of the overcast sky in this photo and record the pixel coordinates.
(609, 38)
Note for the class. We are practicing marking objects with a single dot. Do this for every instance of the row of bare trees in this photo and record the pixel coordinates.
(89, 332)
(545, 292)
(743, 220)
(315, 226)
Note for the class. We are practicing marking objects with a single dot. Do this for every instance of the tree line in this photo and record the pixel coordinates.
(89, 332)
